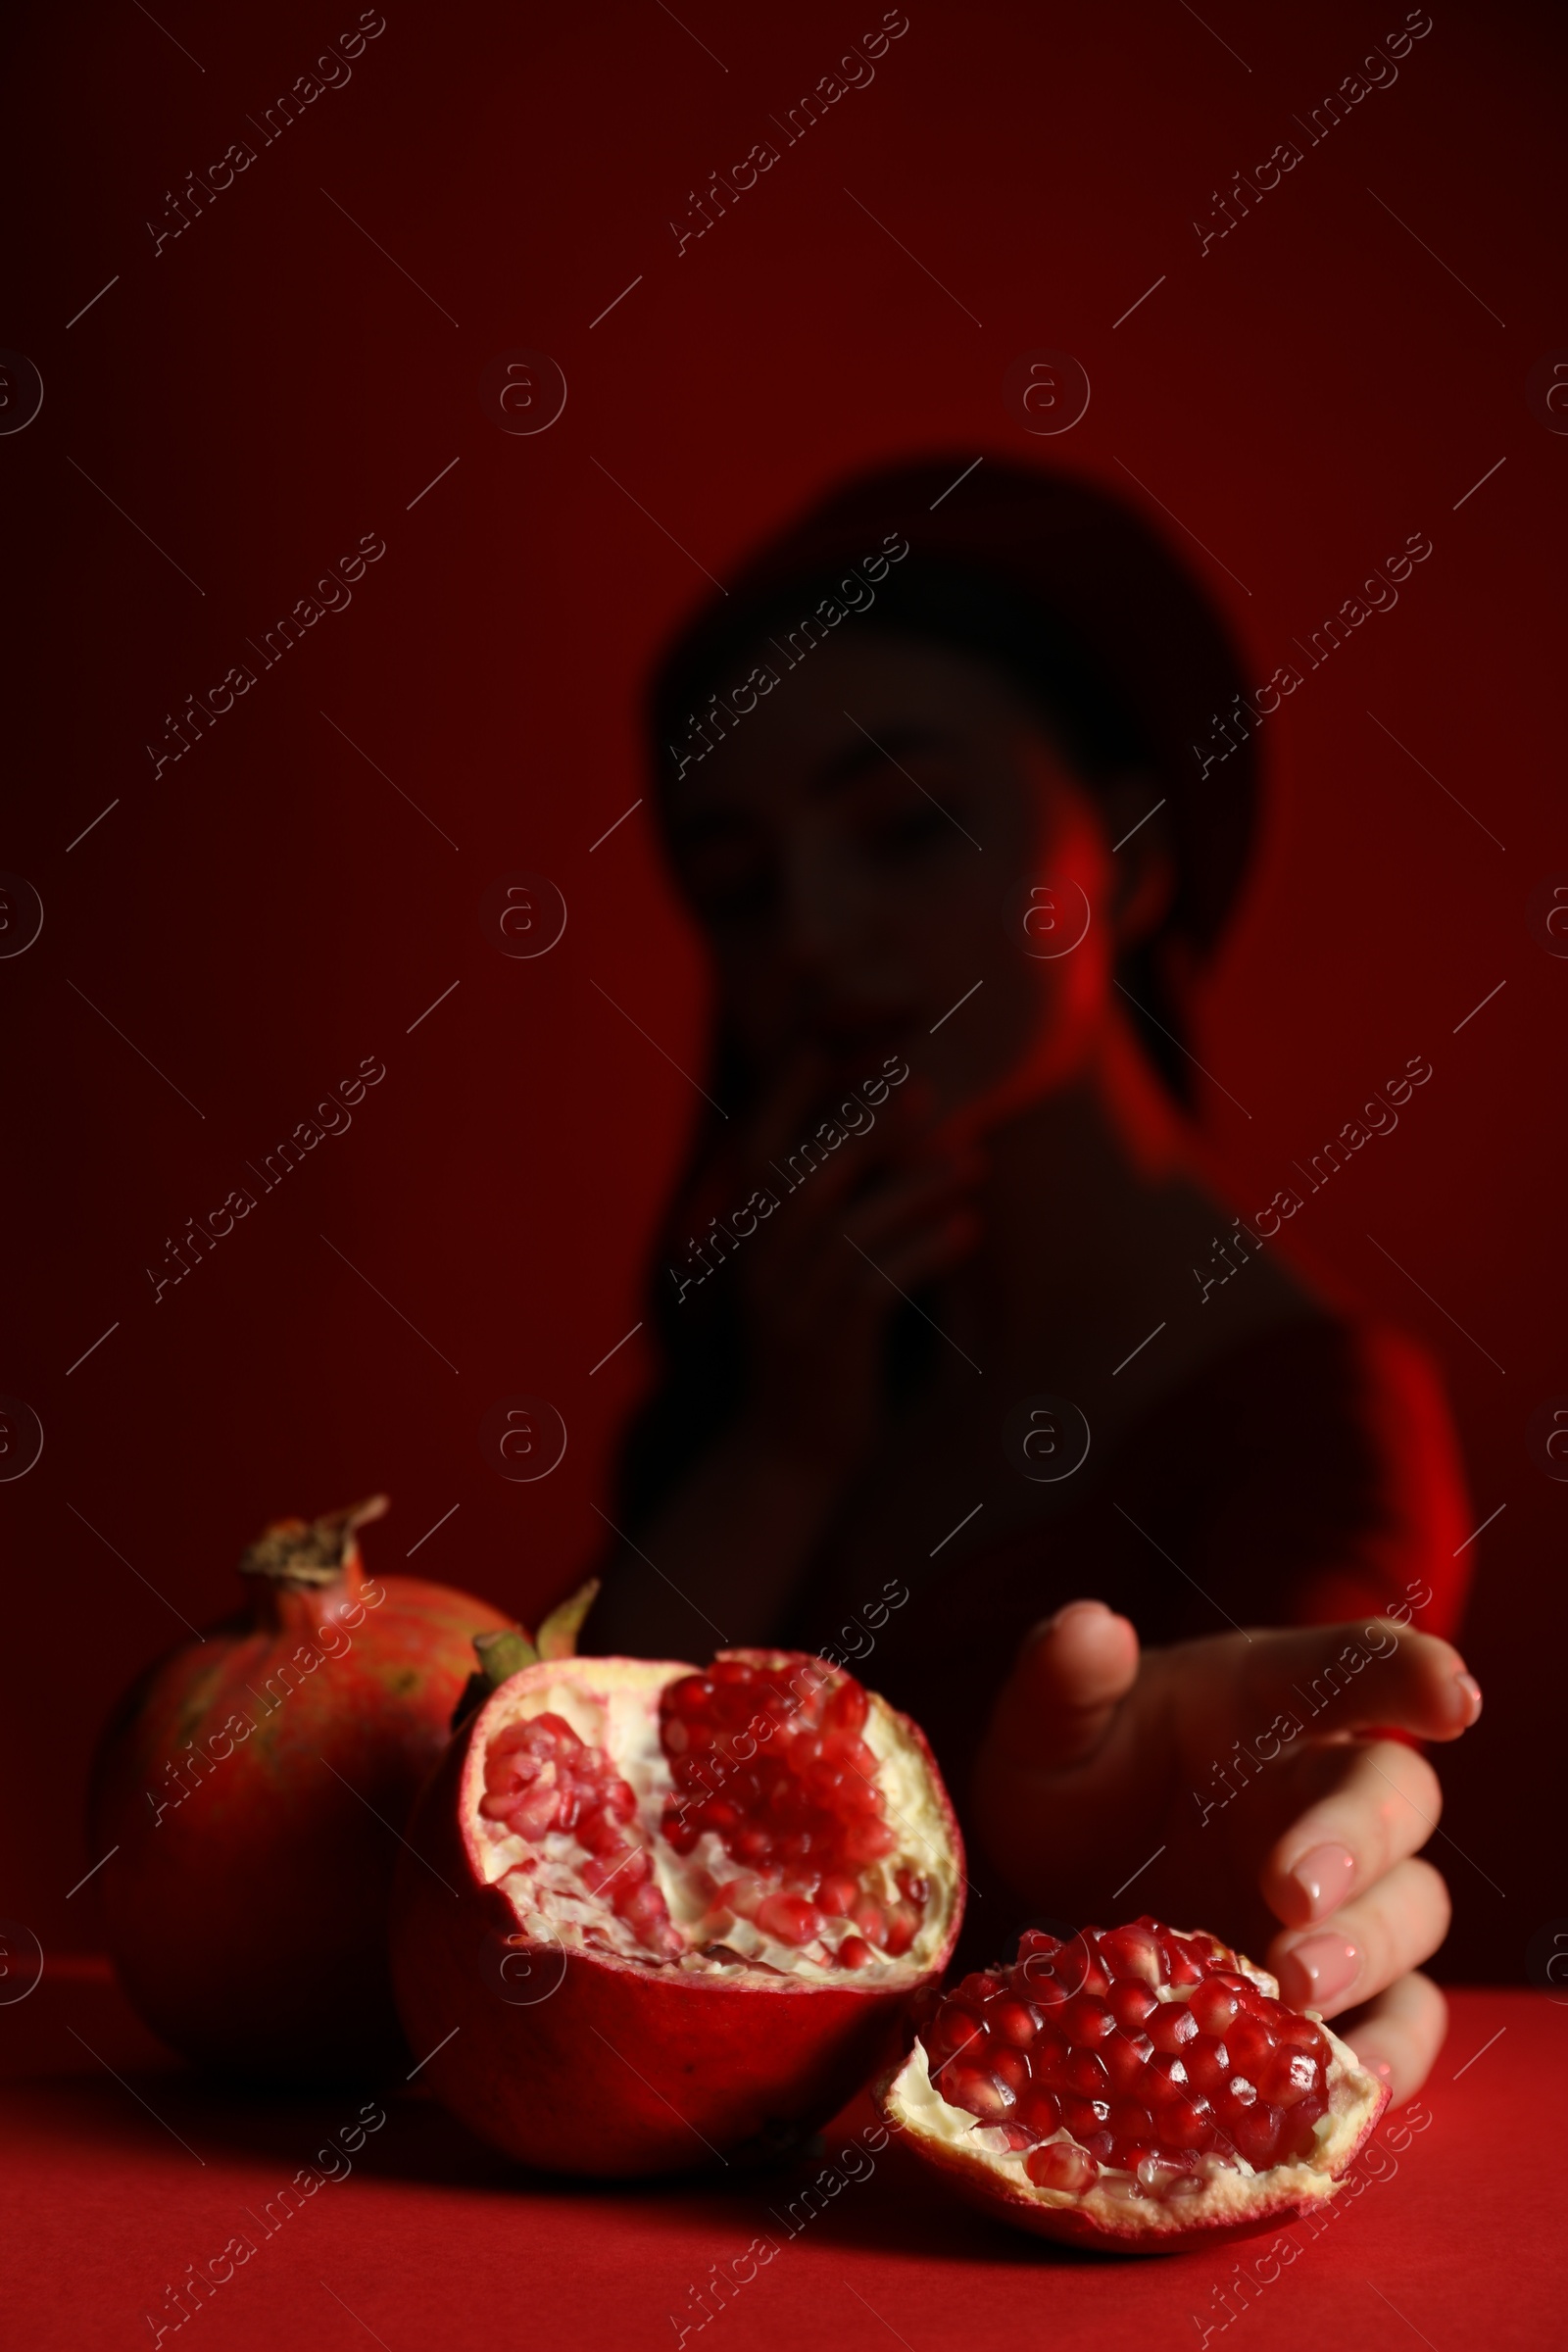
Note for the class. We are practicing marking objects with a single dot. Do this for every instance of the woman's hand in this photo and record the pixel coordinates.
(816, 1281)
(1239, 1784)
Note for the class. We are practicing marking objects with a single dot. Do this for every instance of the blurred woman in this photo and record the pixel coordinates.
(971, 1374)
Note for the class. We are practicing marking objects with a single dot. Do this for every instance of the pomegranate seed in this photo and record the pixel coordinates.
(1086, 2118)
(847, 1707)
(1207, 2061)
(634, 1868)
(903, 1924)
(1010, 2067)
(1125, 2057)
(599, 1833)
(1181, 1959)
(1131, 2006)
(1133, 1953)
(1040, 2110)
(1083, 2072)
(1156, 2082)
(1129, 2122)
(1047, 2061)
(1086, 2022)
(951, 2030)
(536, 1813)
(1081, 1969)
(542, 1780)
(1014, 2136)
(788, 1918)
(1061, 2167)
(1185, 2124)
(1171, 2027)
(1250, 2042)
(1159, 2168)
(979, 2091)
(870, 1918)
(1214, 2005)
(1287, 2077)
(980, 1987)
(1256, 2133)
(1015, 2021)
(852, 1952)
(1297, 2135)
(801, 1804)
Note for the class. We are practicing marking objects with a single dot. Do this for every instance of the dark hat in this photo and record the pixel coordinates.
(1122, 628)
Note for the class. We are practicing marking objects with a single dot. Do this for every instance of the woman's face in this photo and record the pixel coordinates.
(860, 851)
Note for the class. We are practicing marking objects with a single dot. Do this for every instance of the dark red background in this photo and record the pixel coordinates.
(270, 386)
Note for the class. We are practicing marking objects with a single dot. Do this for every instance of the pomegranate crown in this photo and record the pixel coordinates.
(508, 1651)
(310, 1552)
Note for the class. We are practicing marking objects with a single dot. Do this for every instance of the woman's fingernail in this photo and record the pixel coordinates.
(1326, 1966)
(1469, 1697)
(1372, 2058)
(1324, 1877)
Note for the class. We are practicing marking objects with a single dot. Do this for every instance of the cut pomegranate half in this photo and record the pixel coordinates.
(693, 1906)
(1135, 2088)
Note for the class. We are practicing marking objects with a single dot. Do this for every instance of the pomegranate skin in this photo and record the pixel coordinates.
(618, 2068)
(1004, 2203)
(246, 1905)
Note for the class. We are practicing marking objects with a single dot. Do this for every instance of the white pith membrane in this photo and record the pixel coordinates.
(1224, 2189)
(612, 1704)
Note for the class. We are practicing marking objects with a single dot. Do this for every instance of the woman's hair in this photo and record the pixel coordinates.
(969, 611)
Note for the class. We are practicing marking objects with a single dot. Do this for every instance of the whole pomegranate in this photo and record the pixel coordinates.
(251, 1789)
(1133, 2089)
(692, 1906)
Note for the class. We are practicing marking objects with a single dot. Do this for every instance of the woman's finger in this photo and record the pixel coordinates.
(1367, 1944)
(1380, 1803)
(1365, 1676)
(786, 1127)
(806, 1267)
(1059, 1700)
(1398, 2036)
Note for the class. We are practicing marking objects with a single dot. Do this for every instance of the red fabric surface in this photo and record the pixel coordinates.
(430, 2241)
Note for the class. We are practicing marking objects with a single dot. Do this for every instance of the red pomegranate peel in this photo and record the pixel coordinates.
(250, 1776)
(662, 1849)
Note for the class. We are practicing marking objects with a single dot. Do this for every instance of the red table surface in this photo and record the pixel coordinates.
(119, 2169)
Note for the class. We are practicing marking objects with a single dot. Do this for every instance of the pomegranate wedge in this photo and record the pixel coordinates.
(1134, 2088)
(655, 1914)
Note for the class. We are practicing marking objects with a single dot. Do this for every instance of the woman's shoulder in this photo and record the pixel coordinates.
(1337, 1357)
(1326, 1439)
